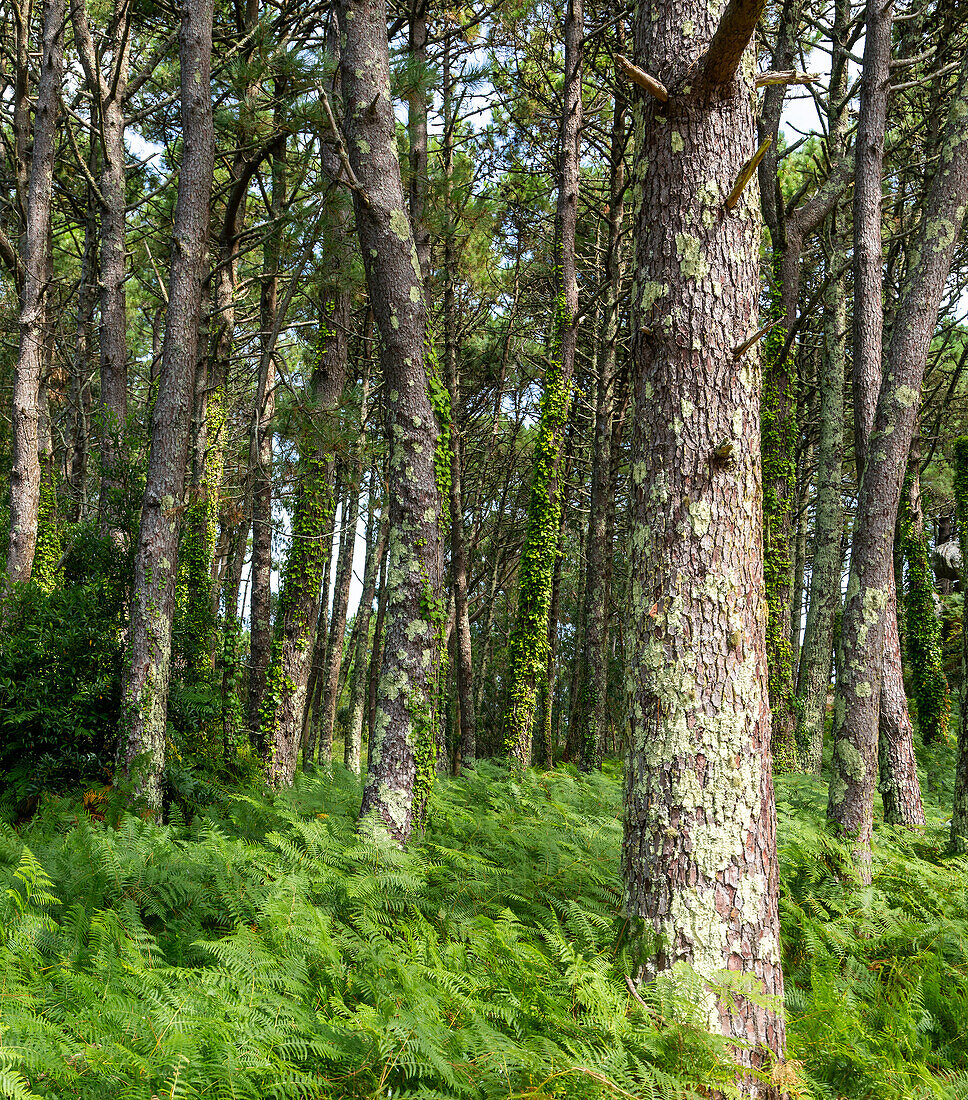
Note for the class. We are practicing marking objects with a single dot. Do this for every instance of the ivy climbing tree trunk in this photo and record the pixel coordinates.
(403, 736)
(699, 854)
(283, 712)
(868, 602)
(156, 558)
(260, 463)
(25, 468)
(529, 642)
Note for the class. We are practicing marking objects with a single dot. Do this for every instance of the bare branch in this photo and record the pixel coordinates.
(729, 43)
(642, 78)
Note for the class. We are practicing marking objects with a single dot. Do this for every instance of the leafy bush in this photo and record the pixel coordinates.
(60, 673)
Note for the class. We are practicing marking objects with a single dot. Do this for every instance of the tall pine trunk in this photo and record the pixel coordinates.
(529, 643)
(699, 856)
(403, 737)
(25, 471)
(156, 559)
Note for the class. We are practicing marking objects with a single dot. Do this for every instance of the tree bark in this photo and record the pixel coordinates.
(959, 809)
(407, 695)
(156, 559)
(25, 469)
(699, 855)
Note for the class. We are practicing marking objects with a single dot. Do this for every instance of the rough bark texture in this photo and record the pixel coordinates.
(25, 471)
(156, 559)
(868, 603)
(529, 644)
(700, 825)
(402, 750)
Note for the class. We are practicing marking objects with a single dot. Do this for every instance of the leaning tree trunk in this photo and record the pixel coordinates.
(156, 559)
(25, 470)
(699, 854)
(529, 642)
(402, 755)
(868, 603)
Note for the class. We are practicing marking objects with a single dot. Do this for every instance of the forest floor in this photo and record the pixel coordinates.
(261, 949)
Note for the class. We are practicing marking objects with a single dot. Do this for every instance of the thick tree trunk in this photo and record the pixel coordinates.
(700, 824)
(142, 755)
(868, 604)
(403, 735)
(529, 644)
(25, 470)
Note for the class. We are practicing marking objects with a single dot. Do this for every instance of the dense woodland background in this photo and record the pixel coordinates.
(513, 420)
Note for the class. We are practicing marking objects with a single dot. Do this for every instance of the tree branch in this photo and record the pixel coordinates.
(732, 36)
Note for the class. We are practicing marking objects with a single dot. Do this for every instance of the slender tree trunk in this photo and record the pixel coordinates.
(700, 824)
(959, 811)
(337, 623)
(403, 736)
(375, 546)
(81, 376)
(376, 656)
(816, 658)
(593, 674)
(868, 604)
(463, 654)
(260, 613)
(25, 471)
(529, 646)
(156, 559)
(299, 600)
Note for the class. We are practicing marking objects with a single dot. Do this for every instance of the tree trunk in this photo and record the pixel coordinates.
(959, 810)
(593, 674)
(108, 93)
(868, 604)
(816, 658)
(699, 854)
(529, 645)
(403, 735)
(142, 755)
(375, 547)
(25, 470)
(260, 613)
(284, 712)
(337, 623)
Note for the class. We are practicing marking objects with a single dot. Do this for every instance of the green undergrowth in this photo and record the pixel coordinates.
(264, 950)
